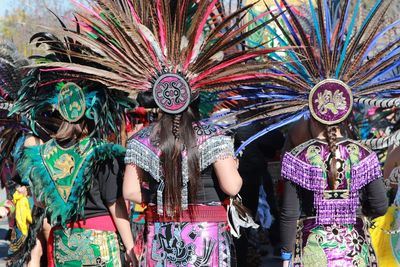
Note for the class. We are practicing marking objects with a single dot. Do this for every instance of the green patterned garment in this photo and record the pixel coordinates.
(78, 247)
(61, 177)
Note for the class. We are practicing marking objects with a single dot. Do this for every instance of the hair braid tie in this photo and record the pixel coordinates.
(175, 125)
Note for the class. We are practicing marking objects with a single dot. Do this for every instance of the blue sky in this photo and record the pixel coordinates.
(12, 4)
(7, 4)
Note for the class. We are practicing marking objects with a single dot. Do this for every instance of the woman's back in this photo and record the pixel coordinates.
(144, 151)
(328, 222)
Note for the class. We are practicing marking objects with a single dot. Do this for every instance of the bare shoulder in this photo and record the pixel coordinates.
(32, 141)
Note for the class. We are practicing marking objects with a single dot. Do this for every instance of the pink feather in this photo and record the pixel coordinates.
(55, 69)
(134, 14)
(162, 31)
(91, 11)
(231, 62)
(236, 77)
(199, 31)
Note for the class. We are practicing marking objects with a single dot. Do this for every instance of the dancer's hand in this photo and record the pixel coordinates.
(3, 212)
(130, 258)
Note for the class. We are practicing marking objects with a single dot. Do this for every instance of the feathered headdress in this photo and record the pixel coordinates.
(331, 67)
(11, 74)
(44, 91)
(158, 46)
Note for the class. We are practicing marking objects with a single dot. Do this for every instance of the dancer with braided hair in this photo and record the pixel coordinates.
(337, 65)
(323, 180)
(177, 219)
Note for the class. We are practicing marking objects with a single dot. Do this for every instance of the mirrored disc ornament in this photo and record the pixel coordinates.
(71, 102)
(330, 101)
(171, 93)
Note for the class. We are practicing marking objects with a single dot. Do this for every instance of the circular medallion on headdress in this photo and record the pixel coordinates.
(171, 93)
(330, 101)
(71, 102)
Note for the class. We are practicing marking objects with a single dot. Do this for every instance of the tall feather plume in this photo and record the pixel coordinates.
(137, 41)
(11, 75)
(334, 48)
(38, 94)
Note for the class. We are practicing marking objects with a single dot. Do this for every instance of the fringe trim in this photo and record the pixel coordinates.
(142, 156)
(211, 150)
(366, 171)
(215, 148)
(305, 175)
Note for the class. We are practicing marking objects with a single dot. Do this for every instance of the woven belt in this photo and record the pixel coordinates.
(195, 213)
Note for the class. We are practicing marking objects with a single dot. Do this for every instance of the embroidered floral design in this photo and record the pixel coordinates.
(341, 238)
(356, 242)
(335, 233)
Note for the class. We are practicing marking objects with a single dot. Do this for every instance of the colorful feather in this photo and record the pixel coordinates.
(333, 48)
(131, 43)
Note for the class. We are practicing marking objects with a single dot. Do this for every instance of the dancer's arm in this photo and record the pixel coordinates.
(121, 219)
(32, 141)
(132, 186)
(376, 203)
(228, 176)
(290, 213)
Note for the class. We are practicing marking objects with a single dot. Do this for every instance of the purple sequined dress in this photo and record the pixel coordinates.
(204, 238)
(335, 236)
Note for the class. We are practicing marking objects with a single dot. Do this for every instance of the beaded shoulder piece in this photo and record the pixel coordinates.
(144, 152)
(306, 166)
(60, 177)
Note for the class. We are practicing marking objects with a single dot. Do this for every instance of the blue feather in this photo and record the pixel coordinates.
(316, 23)
(271, 127)
(348, 37)
(344, 19)
(287, 23)
(291, 54)
(371, 12)
(379, 36)
(381, 75)
(328, 21)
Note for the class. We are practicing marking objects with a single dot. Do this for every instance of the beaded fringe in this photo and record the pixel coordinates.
(330, 211)
(211, 150)
(305, 175)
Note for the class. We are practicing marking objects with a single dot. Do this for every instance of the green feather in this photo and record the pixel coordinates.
(33, 171)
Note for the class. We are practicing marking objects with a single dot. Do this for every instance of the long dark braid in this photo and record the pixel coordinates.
(175, 125)
(332, 170)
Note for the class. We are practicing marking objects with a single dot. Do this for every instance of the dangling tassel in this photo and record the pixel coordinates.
(160, 190)
(185, 181)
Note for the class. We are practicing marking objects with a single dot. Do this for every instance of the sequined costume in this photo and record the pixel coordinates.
(202, 240)
(330, 233)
